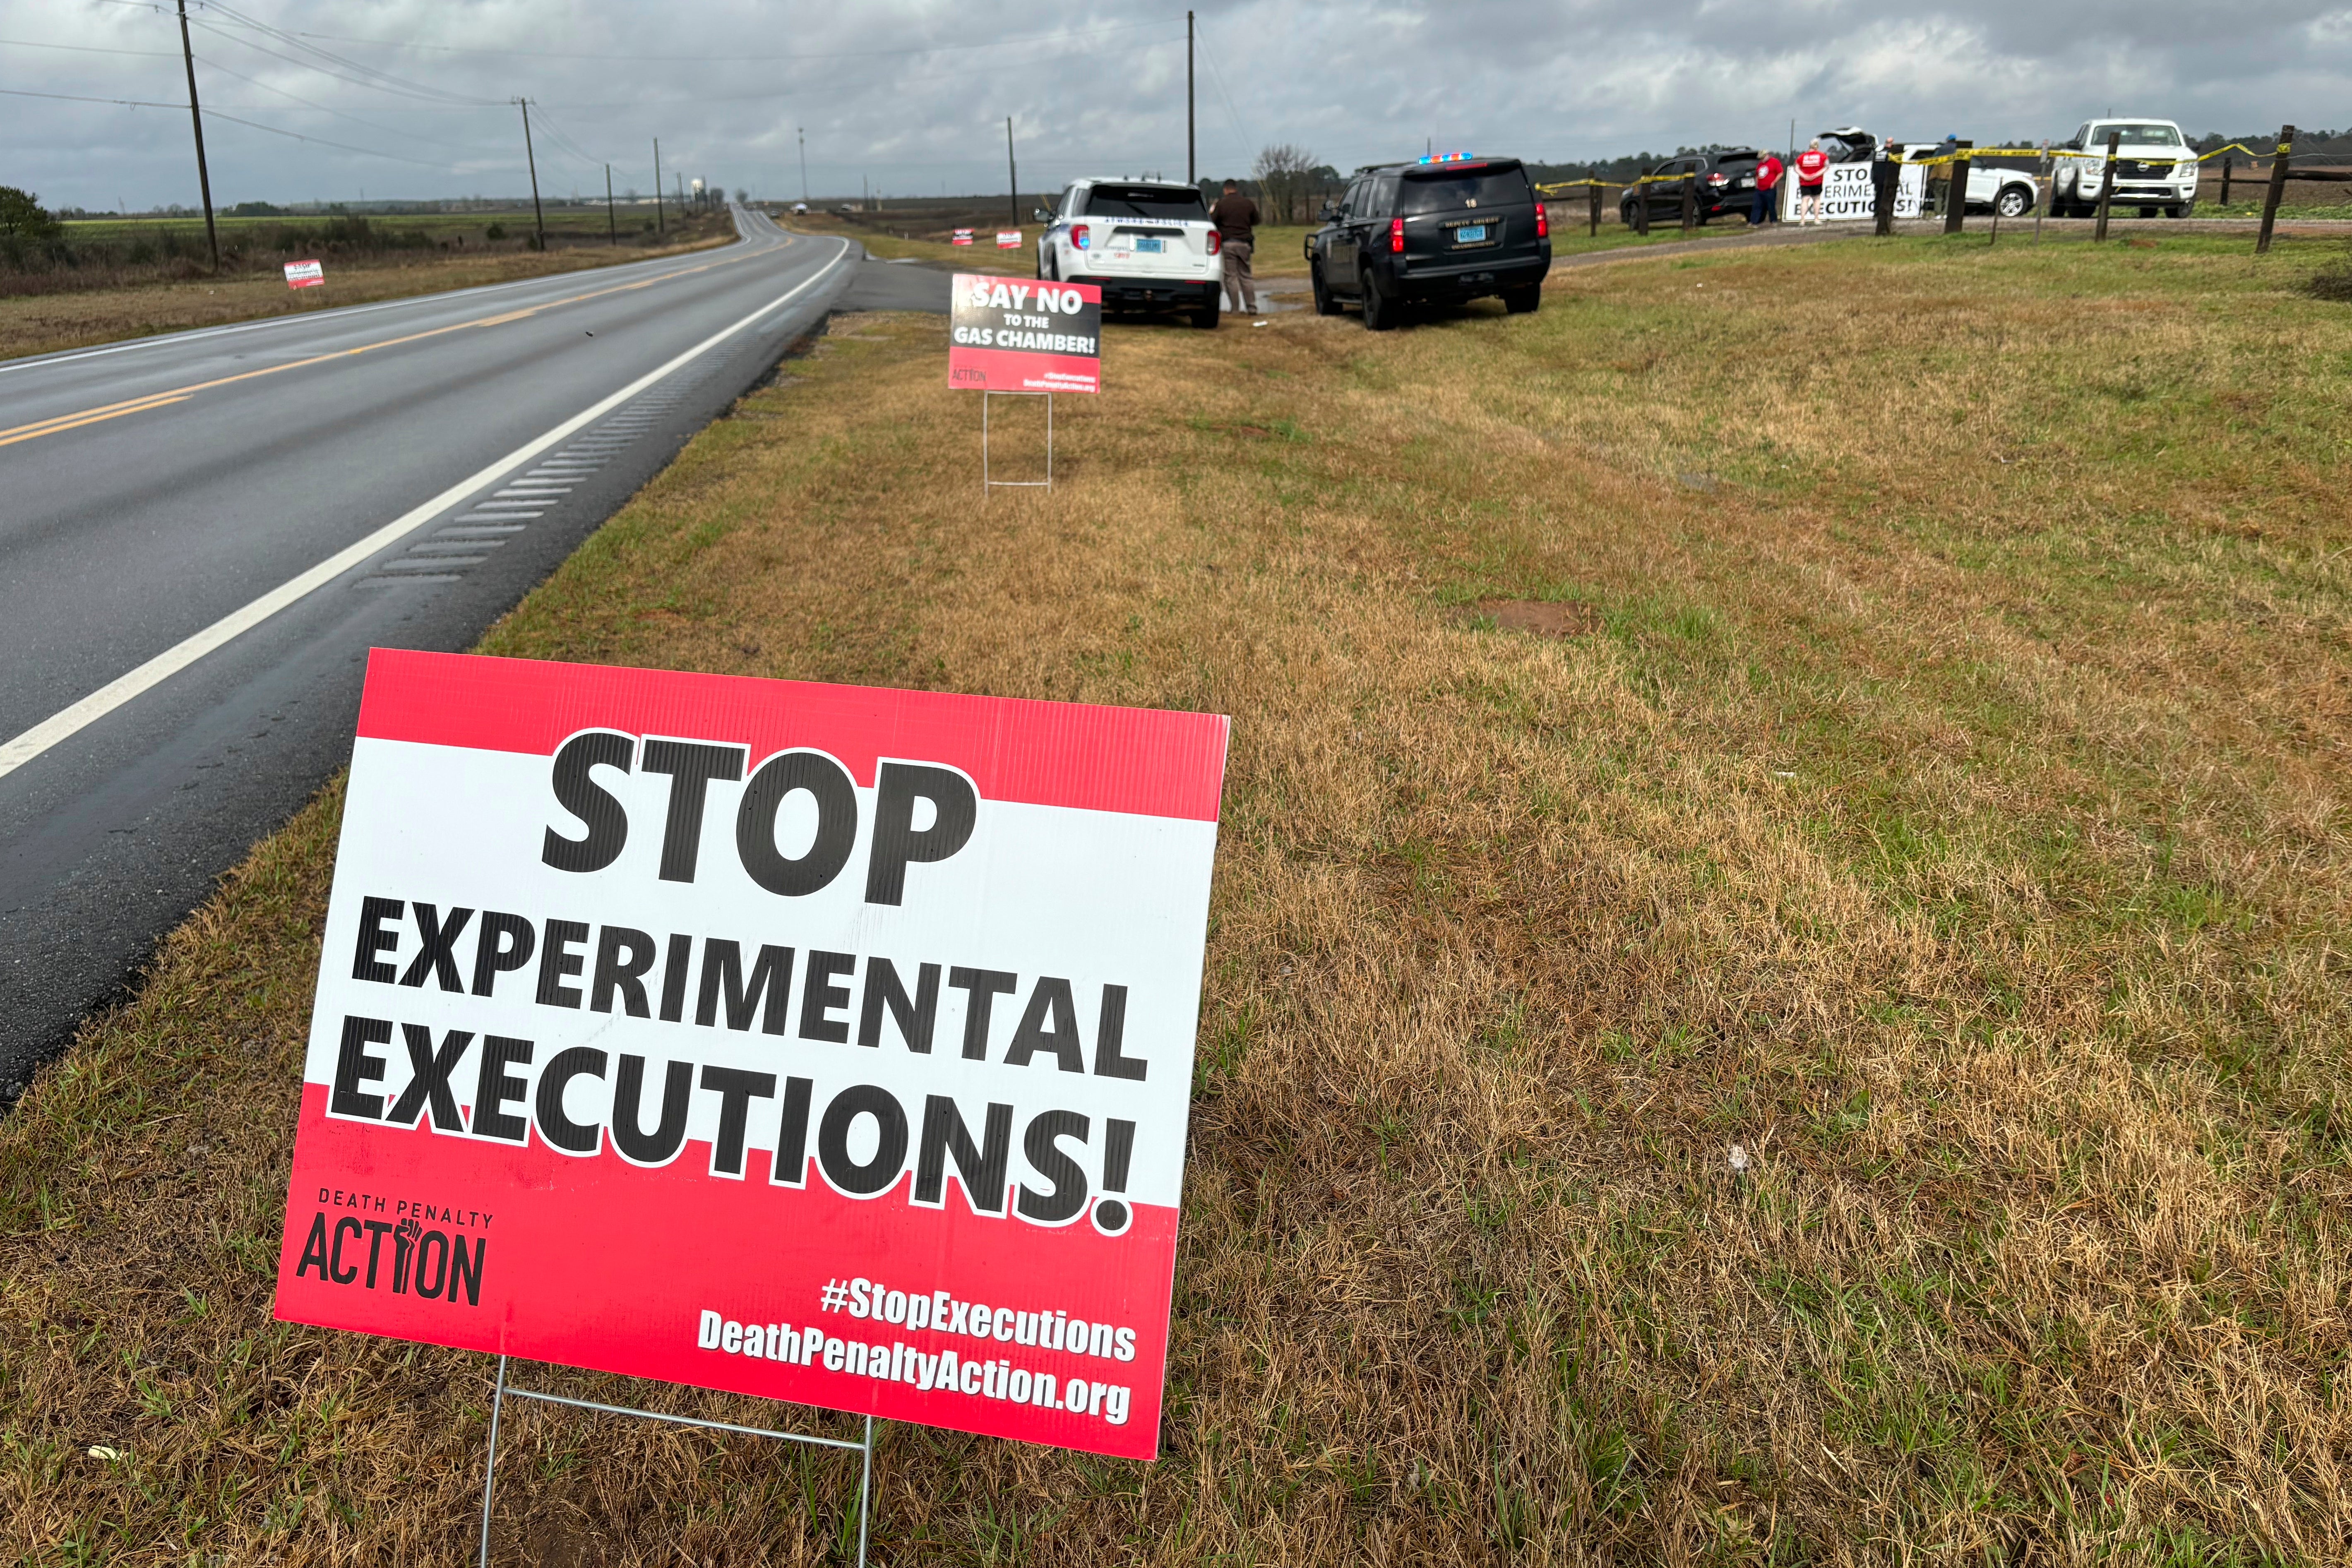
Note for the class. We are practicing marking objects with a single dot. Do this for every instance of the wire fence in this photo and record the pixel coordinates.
(2098, 177)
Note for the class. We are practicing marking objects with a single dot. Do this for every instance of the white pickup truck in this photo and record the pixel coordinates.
(1147, 243)
(2011, 192)
(2155, 171)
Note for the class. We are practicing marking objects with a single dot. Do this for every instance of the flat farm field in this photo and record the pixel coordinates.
(1777, 989)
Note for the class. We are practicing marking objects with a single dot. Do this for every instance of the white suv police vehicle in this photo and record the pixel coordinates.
(1146, 243)
(2155, 169)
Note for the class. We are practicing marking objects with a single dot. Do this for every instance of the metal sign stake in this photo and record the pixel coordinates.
(987, 483)
(498, 1403)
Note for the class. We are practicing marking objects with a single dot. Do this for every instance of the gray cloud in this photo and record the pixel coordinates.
(912, 94)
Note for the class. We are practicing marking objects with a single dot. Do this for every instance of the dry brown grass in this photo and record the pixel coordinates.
(1938, 798)
(50, 322)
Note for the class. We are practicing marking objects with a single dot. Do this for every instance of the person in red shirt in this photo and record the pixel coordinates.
(1812, 165)
(1767, 191)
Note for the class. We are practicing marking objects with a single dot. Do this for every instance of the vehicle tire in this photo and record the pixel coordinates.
(2014, 201)
(1379, 313)
(1522, 301)
(2147, 212)
(2181, 209)
(1326, 304)
(1205, 316)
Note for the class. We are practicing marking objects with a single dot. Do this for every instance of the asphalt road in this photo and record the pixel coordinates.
(201, 536)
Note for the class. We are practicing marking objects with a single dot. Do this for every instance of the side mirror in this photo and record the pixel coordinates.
(1041, 214)
(1328, 214)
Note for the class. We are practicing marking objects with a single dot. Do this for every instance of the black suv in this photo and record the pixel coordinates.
(1725, 185)
(1437, 231)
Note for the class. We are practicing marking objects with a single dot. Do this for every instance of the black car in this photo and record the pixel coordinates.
(1437, 231)
(1725, 185)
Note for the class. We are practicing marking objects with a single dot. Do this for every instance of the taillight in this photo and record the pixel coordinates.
(1216, 240)
(1078, 235)
(1543, 222)
(1396, 236)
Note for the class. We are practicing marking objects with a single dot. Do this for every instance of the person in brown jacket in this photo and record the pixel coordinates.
(1235, 217)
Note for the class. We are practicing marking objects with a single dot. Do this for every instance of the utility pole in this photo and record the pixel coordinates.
(538, 218)
(659, 224)
(611, 223)
(803, 131)
(1191, 159)
(204, 176)
(1012, 170)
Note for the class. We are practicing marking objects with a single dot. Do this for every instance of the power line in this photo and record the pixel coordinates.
(89, 50)
(211, 64)
(233, 119)
(391, 81)
(322, 141)
(707, 58)
(392, 84)
(852, 86)
(1219, 78)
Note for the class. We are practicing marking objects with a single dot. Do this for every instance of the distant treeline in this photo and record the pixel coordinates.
(60, 254)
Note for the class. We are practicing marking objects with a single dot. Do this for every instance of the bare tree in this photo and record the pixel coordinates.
(1283, 172)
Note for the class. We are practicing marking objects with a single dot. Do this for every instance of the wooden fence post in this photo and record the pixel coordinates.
(2226, 161)
(1885, 179)
(1642, 206)
(2107, 183)
(1956, 206)
(1690, 198)
(1593, 191)
(2278, 187)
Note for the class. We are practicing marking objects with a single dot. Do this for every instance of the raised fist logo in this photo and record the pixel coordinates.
(404, 1247)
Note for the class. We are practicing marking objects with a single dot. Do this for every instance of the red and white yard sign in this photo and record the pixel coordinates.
(817, 1042)
(305, 274)
(1010, 334)
(961, 237)
(1008, 239)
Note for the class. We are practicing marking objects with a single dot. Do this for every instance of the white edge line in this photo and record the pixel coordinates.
(23, 748)
(342, 312)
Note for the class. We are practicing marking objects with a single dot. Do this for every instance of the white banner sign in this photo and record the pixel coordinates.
(1847, 194)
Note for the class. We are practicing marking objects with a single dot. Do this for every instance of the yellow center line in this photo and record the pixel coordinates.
(76, 420)
(10, 439)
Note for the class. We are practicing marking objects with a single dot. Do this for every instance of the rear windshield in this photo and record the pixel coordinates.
(2138, 135)
(1144, 201)
(1437, 193)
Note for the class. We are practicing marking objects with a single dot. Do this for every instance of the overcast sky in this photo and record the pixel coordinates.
(912, 94)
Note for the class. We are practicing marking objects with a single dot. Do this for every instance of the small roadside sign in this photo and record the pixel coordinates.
(1010, 334)
(963, 236)
(305, 274)
(1008, 239)
(822, 1043)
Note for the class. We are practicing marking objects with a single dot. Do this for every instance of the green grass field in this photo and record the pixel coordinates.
(1776, 987)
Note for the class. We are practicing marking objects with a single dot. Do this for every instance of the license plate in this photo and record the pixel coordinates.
(1151, 245)
(1470, 234)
